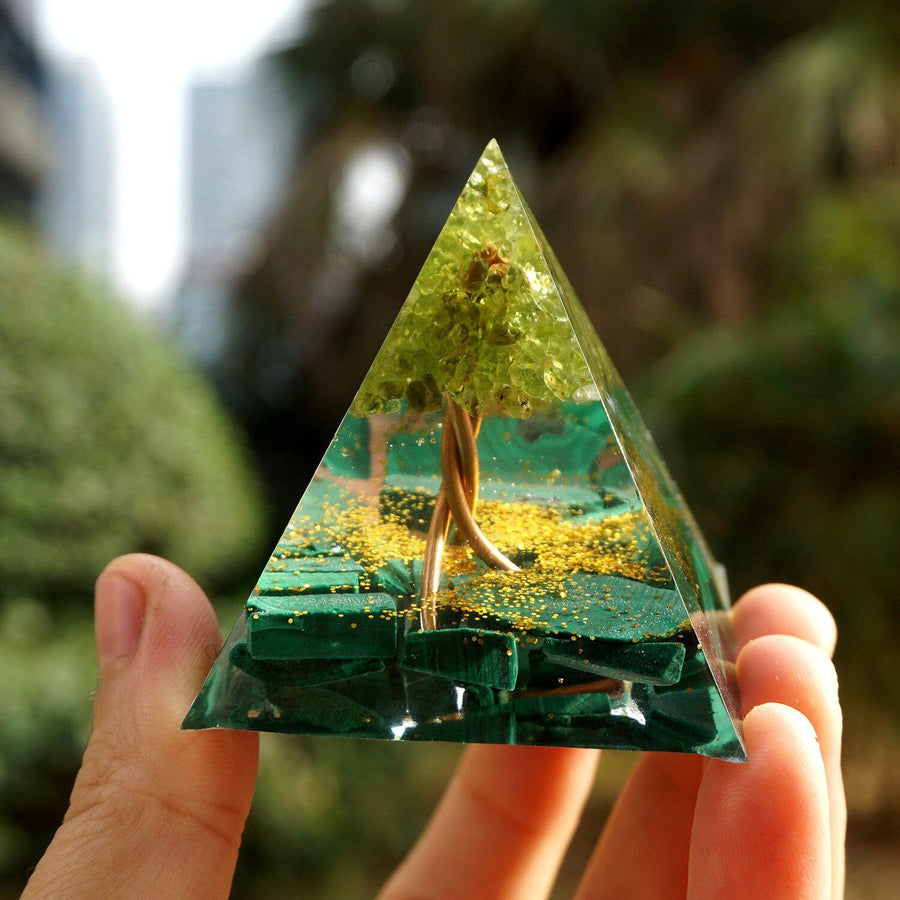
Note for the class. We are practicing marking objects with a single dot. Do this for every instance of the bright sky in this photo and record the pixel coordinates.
(146, 54)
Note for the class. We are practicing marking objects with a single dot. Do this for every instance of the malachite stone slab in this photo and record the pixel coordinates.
(649, 662)
(322, 626)
(287, 549)
(302, 672)
(463, 655)
(602, 607)
(316, 710)
(395, 578)
(492, 548)
(570, 706)
(310, 576)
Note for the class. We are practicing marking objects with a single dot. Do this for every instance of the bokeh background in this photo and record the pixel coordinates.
(721, 182)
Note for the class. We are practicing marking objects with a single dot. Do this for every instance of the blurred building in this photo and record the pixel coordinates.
(237, 158)
(24, 146)
(76, 203)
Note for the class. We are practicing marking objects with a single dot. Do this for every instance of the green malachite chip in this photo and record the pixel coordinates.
(650, 662)
(395, 578)
(465, 655)
(492, 548)
(692, 725)
(321, 711)
(286, 550)
(571, 706)
(322, 626)
(277, 673)
(603, 607)
(311, 576)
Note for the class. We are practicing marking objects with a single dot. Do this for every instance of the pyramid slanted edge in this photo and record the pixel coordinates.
(492, 549)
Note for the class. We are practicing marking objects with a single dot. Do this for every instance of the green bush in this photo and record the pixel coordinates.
(108, 442)
(48, 671)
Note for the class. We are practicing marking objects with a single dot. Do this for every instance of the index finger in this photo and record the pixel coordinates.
(502, 827)
(654, 814)
(784, 609)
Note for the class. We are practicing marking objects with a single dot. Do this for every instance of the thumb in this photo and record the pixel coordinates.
(155, 812)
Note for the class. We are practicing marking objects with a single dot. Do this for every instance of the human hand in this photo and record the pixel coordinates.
(684, 826)
(158, 812)
(155, 812)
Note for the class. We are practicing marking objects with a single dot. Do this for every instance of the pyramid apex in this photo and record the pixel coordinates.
(492, 157)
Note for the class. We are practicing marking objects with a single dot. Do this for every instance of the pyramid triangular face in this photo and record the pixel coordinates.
(491, 549)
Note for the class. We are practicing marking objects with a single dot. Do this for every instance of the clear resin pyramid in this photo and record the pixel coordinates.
(491, 549)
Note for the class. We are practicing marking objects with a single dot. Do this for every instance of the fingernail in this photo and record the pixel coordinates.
(118, 617)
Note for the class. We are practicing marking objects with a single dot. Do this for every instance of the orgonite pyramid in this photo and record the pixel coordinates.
(491, 549)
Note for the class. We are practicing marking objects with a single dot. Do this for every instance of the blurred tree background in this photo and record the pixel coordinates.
(109, 444)
(721, 182)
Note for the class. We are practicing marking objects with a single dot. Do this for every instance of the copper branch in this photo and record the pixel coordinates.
(457, 497)
(465, 428)
(431, 564)
(451, 466)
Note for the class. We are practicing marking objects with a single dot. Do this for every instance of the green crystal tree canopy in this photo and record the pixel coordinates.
(483, 322)
(492, 548)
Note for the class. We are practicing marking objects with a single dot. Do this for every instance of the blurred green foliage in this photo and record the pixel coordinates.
(109, 443)
(785, 431)
(48, 670)
(336, 815)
